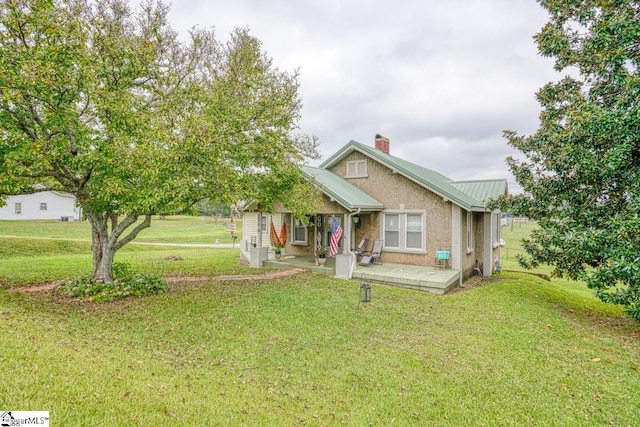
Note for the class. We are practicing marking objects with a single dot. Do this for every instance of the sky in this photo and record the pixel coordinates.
(441, 79)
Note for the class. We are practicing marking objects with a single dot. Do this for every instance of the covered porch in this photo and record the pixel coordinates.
(438, 281)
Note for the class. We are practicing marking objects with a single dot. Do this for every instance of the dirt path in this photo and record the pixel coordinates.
(178, 279)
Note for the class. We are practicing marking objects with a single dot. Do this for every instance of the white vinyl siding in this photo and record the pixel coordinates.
(404, 231)
(356, 169)
(250, 229)
(29, 206)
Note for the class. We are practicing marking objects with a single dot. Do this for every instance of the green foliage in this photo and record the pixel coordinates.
(125, 284)
(109, 105)
(581, 168)
(209, 207)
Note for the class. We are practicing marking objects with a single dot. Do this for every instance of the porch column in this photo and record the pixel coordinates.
(346, 242)
(345, 261)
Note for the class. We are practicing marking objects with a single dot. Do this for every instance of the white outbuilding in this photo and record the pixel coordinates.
(52, 205)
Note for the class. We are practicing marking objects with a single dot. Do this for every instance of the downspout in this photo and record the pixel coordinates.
(352, 257)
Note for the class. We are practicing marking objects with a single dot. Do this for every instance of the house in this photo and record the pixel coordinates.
(418, 214)
(54, 205)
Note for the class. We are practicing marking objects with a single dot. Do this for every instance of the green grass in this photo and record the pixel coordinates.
(303, 351)
(48, 261)
(513, 235)
(174, 229)
(46, 251)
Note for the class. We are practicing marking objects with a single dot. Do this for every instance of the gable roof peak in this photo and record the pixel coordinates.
(427, 178)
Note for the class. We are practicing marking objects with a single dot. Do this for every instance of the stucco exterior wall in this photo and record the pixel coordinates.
(398, 194)
(469, 258)
(325, 206)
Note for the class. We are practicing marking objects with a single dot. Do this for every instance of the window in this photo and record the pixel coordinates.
(299, 232)
(404, 231)
(18, 208)
(43, 206)
(392, 230)
(414, 231)
(469, 232)
(356, 169)
(263, 223)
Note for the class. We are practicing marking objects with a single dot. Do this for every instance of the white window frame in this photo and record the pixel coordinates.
(43, 206)
(356, 169)
(402, 231)
(469, 232)
(18, 208)
(263, 223)
(297, 224)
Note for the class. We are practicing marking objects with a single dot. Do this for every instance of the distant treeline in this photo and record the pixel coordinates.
(207, 207)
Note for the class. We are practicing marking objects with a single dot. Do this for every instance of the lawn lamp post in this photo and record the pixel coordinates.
(365, 290)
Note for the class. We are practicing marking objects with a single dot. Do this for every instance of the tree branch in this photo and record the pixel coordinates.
(134, 233)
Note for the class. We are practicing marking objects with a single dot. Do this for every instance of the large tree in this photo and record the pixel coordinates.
(580, 171)
(108, 104)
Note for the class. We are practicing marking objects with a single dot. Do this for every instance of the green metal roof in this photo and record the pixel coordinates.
(343, 192)
(432, 180)
(482, 190)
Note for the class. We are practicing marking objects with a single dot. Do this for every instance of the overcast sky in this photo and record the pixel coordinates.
(440, 78)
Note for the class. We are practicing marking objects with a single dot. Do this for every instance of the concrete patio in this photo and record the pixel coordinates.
(438, 281)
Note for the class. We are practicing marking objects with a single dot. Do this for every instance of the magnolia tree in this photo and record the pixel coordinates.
(580, 171)
(108, 104)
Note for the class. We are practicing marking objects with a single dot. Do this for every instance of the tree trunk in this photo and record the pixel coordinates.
(102, 257)
(103, 264)
(105, 244)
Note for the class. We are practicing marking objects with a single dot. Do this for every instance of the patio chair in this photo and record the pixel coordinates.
(361, 250)
(376, 253)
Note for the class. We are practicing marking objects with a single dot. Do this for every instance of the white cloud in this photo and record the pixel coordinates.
(441, 79)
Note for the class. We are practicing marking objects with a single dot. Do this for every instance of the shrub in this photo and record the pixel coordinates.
(125, 284)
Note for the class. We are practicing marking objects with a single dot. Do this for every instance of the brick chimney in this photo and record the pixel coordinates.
(382, 143)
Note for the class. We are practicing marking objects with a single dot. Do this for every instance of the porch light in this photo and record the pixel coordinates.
(356, 221)
(365, 291)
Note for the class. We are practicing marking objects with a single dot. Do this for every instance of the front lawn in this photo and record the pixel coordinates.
(304, 351)
(514, 350)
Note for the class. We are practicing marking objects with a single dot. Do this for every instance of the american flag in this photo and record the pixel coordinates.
(336, 234)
